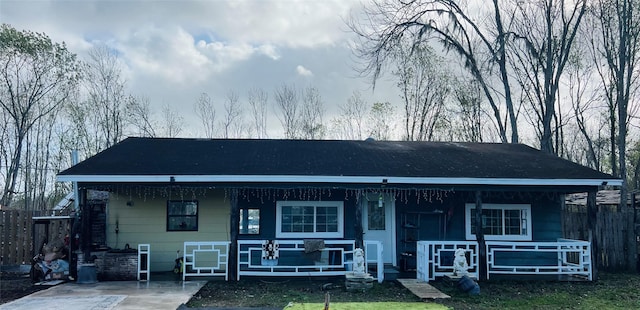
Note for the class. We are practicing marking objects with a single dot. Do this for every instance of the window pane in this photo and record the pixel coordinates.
(512, 222)
(492, 221)
(182, 215)
(327, 219)
(376, 216)
(306, 218)
(183, 223)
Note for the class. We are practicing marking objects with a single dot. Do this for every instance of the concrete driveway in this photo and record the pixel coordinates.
(123, 295)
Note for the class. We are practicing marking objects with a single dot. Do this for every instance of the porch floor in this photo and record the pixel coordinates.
(422, 289)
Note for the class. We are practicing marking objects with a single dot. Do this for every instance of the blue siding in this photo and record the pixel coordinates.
(448, 225)
(545, 215)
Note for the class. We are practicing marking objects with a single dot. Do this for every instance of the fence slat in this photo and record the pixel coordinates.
(18, 237)
(610, 232)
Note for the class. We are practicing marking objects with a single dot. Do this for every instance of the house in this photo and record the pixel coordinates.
(301, 207)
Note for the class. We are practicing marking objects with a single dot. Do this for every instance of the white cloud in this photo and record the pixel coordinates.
(303, 71)
(173, 50)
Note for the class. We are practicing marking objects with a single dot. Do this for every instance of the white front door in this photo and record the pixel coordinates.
(378, 217)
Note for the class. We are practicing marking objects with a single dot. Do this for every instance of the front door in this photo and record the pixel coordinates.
(378, 216)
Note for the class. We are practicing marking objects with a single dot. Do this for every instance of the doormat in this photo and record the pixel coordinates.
(65, 302)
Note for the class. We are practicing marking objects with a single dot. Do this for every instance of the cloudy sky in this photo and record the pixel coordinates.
(175, 50)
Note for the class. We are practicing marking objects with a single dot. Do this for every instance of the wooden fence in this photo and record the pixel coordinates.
(612, 231)
(19, 233)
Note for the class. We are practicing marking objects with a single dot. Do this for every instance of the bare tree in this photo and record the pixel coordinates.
(424, 87)
(350, 123)
(258, 101)
(106, 94)
(140, 116)
(387, 23)
(546, 31)
(287, 100)
(467, 108)
(382, 121)
(312, 112)
(37, 77)
(206, 112)
(232, 123)
(172, 122)
(584, 102)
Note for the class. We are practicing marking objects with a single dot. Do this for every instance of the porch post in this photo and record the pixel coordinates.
(482, 249)
(358, 226)
(592, 212)
(234, 227)
(85, 222)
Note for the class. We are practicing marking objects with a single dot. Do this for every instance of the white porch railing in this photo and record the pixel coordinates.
(206, 258)
(373, 251)
(435, 258)
(335, 259)
(564, 257)
(144, 261)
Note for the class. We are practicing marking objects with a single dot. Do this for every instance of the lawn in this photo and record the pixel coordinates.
(611, 291)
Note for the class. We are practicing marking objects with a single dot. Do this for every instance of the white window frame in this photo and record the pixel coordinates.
(338, 234)
(525, 237)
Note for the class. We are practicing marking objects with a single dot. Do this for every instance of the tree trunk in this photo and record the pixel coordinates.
(358, 226)
(482, 249)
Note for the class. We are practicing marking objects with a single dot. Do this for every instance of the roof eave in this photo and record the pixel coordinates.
(333, 179)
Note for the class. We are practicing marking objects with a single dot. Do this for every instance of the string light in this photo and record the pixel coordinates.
(313, 193)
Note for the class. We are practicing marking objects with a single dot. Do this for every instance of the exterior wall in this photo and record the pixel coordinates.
(545, 216)
(267, 207)
(145, 221)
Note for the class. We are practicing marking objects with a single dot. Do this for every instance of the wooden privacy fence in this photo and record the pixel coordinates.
(19, 235)
(611, 233)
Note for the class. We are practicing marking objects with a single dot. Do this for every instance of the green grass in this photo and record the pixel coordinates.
(369, 306)
(611, 291)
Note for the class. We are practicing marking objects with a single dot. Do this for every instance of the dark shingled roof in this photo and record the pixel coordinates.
(166, 156)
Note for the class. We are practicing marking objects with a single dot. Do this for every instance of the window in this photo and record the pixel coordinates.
(182, 215)
(376, 215)
(500, 221)
(250, 221)
(304, 219)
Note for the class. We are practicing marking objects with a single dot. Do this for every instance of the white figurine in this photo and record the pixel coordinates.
(358, 261)
(460, 265)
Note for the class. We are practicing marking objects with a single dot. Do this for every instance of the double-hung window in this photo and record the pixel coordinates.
(309, 219)
(500, 221)
(182, 215)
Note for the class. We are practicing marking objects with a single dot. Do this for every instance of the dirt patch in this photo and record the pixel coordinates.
(14, 285)
(279, 293)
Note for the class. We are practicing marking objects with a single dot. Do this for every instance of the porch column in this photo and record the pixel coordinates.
(592, 212)
(358, 226)
(234, 227)
(482, 249)
(85, 222)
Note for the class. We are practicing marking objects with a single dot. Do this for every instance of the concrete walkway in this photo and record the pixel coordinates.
(120, 295)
